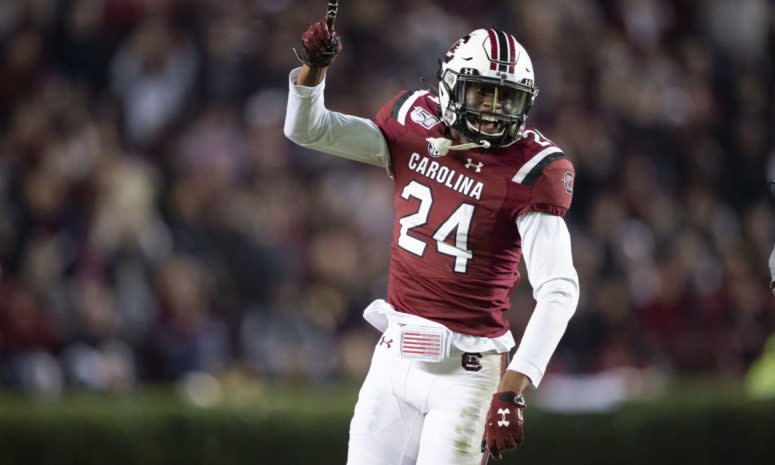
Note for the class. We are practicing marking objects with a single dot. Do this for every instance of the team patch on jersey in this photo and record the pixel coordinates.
(567, 182)
(424, 118)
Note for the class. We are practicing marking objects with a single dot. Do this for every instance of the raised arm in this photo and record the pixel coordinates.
(309, 76)
(310, 124)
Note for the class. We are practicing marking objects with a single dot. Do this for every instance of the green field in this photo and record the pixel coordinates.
(694, 423)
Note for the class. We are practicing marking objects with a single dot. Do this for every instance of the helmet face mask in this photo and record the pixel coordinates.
(484, 97)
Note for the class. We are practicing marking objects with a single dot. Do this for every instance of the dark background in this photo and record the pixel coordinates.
(154, 221)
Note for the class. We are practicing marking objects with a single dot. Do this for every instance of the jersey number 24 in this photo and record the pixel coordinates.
(459, 222)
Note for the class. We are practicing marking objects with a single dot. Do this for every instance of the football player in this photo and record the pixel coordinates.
(476, 189)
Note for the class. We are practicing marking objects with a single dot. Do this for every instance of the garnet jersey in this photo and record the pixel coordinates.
(456, 246)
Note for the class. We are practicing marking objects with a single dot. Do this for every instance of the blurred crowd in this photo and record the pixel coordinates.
(155, 222)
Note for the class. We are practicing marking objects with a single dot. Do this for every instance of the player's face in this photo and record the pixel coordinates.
(490, 98)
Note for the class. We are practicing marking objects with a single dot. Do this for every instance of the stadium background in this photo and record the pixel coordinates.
(157, 229)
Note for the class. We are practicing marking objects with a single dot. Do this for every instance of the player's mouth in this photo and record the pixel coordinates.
(485, 124)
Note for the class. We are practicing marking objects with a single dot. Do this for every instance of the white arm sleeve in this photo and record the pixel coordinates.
(309, 124)
(546, 249)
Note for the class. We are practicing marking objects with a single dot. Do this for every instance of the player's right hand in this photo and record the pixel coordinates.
(320, 44)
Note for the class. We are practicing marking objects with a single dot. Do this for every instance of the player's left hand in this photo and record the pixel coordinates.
(504, 428)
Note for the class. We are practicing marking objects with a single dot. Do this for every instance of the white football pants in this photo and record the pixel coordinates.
(422, 413)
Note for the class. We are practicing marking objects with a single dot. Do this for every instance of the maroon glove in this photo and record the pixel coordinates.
(504, 428)
(319, 44)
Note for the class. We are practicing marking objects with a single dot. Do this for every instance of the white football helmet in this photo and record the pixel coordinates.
(486, 87)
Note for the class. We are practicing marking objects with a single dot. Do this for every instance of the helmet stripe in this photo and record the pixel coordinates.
(493, 49)
(512, 52)
(503, 45)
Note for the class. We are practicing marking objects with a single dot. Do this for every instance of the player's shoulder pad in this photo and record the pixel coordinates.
(407, 108)
(552, 190)
(548, 172)
(539, 152)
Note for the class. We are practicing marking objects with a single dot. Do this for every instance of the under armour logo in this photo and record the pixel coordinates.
(385, 341)
(503, 413)
(471, 164)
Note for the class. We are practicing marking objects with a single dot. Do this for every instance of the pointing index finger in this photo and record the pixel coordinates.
(333, 7)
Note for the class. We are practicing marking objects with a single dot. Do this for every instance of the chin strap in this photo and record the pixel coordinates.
(443, 145)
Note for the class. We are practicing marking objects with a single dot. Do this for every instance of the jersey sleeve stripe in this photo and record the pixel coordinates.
(532, 164)
(404, 103)
(533, 175)
(399, 102)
